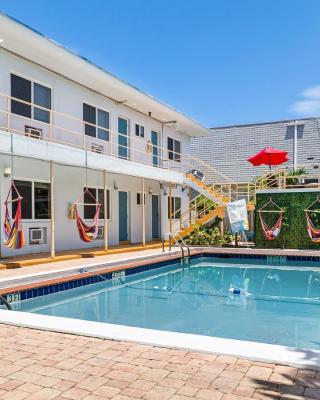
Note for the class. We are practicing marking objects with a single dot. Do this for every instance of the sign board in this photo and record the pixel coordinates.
(238, 216)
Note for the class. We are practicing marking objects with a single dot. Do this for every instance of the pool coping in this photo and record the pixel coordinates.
(301, 358)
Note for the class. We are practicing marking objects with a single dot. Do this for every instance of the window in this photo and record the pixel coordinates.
(176, 207)
(98, 122)
(30, 92)
(41, 200)
(36, 200)
(139, 199)
(97, 194)
(139, 130)
(174, 149)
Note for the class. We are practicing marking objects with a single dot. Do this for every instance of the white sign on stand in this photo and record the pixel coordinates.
(238, 216)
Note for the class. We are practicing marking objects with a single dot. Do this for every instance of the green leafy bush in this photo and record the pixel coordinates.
(208, 236)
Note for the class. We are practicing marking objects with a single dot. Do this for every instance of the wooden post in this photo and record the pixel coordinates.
(52, 225)
(143, 215)
(236, 239)
(222, 227)
(189, 199)
(105, 211)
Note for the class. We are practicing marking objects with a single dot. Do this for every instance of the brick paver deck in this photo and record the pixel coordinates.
(40, 365)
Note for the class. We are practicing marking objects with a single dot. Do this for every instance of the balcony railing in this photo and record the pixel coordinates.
(66, 129)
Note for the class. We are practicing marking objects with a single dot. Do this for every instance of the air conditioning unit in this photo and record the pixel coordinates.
(35, 133)
(100, 234)
(37, 236)
(97, 148)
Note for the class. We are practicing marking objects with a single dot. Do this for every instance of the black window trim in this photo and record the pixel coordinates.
(33, 181)
(96, 188)
(96, 126)
(139, 126)
(32, 103)
(139, 193)
(174, 210)
(173, 154)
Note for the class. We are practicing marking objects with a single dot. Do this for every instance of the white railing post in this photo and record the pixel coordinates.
(8, 114)
(52, 211)
(105, 208)
(143, 214)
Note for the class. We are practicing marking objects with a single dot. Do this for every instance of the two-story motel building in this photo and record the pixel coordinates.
(66, 124)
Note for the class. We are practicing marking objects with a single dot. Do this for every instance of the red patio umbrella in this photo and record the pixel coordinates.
(269, 156)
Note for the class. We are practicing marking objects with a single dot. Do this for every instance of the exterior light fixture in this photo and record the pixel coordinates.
(115, 185)
(7, 172)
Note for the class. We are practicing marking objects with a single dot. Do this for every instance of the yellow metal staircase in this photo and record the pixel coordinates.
(215, 190)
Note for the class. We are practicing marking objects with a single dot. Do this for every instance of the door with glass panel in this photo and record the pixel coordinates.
(155, 216)
(155, 149)
(123, 138)
(123, 216)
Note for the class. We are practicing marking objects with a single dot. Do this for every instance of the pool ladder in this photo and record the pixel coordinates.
(5, 302)
(182, 245)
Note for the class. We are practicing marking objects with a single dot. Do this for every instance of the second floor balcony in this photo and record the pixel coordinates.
(92, 133)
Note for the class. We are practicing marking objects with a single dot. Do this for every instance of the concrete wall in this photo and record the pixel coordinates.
(228, 148)
(69, 184)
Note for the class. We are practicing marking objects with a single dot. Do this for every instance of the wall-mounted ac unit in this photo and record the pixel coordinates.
(100, 234)
(35, 133)
(97, 148)
(37, 235)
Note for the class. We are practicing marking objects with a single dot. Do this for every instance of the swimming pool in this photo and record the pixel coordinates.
(235, 299)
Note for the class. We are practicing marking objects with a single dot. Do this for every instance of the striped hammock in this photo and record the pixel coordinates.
(313, 232)
(271, 233)
(12, 230)
(87, 232)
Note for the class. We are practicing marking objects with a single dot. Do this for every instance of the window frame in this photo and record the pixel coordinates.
(96, 126)
(33, 181)
(139, 126)
(128, 136)
(96, 188)
(174, 211)
(32, 104)
(174, 155)
(145, 198)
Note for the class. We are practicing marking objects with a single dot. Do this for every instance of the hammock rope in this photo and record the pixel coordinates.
(313, 232)
(87, 232)
(12, 230)
(271, 232)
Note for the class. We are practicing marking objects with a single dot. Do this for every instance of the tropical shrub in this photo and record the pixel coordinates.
(208, 236)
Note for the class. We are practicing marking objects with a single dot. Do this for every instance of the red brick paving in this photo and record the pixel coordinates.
(40, 365)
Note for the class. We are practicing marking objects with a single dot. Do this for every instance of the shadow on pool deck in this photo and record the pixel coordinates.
(288, 382)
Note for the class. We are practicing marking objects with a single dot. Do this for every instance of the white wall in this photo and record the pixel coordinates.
(68, 98)
(69, 184)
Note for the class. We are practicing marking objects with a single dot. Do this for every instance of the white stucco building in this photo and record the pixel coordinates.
(67, 124)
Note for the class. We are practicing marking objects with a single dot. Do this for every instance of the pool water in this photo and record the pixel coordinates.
(277, 305)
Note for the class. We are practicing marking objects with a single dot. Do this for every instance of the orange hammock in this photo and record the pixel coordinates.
(12, 231)
(313, 232)
(271, 233)
(87, 232)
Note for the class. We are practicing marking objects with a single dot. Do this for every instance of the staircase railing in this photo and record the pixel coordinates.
(198, 207)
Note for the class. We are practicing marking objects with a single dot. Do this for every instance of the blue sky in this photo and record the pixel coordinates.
(221, 62)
